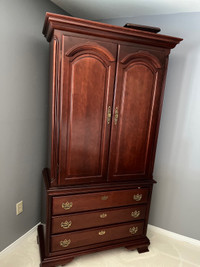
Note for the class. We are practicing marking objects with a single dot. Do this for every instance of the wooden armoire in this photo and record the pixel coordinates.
(106, 92)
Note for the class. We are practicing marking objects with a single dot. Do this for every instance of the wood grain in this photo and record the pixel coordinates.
(99, 235)
(84, 202)
(98, 218)
(87, 92)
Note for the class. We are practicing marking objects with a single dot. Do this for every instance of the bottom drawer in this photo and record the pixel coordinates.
(87, 237)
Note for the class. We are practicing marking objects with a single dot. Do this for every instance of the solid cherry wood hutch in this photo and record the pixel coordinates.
(106, 92)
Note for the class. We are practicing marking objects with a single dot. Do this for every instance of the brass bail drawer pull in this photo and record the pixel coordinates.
(66, 224)
(135, 213)
(102, 232)
(109, 115)
(103, 215)
(116, 115)
(65, 243)
(137, 197)
(104, 197)
(67, 205)
(133, 230)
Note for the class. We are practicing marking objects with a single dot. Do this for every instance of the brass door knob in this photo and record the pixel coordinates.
(109, 115)
(116, 115)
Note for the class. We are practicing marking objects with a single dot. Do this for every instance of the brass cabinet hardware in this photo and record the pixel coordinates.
(104, 197)
(137, 197)
(65, 243)
(67, 205)
(135, 213)
(103, 215)
(116, 115)
(109, 115)
(66, 224)
(133, 230)
(102, 232)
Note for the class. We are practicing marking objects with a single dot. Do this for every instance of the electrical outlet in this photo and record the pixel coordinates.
(19, 207)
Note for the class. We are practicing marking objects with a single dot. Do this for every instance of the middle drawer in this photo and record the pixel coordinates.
(93, 219)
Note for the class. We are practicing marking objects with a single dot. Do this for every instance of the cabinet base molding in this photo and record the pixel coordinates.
(141, 244)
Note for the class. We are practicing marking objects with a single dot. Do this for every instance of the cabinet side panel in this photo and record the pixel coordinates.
(54, 111)
(50, 103)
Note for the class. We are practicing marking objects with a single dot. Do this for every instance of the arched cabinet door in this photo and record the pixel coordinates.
(88, 71)
(135, 113)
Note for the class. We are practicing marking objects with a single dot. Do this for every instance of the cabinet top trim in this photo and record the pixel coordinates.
(93, 28)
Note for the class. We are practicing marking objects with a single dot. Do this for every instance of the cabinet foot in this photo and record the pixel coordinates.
(140, 250)
(54, 263)
(143, 249)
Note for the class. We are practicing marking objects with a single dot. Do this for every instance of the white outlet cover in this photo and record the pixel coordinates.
(19, 207)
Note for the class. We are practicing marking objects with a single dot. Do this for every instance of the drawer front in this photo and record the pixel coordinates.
(83, 238)
(94, 219)
(94, 201)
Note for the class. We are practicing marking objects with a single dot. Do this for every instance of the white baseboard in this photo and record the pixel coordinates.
(173, 235)
(19, 240)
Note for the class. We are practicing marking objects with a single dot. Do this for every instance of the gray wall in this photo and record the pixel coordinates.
(176, 198)
(23, 118)
(23, 113)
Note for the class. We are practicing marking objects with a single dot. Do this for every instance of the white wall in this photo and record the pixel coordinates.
(24, 68)
(176, 197)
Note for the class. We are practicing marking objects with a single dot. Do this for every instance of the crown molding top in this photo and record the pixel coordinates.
(93, 28)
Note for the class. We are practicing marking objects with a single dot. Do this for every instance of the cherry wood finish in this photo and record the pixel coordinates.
(65, 258)
(88, 79)
(84, 202)
(72, 222)
(84, 237)
(143, 249)
(139, 79)
(81, 26)
(106, 93)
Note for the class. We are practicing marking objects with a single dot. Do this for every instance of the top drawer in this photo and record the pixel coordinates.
(93, 201)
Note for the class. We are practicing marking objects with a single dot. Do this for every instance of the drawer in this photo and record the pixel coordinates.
(94, 219)
(89, 237)
(95, 201)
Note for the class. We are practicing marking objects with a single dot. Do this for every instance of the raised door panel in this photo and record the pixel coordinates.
(137, 98)
(86, 95)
